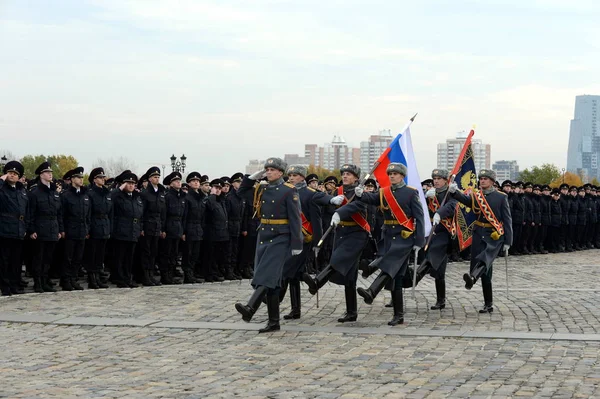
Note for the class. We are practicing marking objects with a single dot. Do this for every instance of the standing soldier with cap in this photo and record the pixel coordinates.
(348, 243)
(310, 214)
(572, 243)
(492, 233)
(174, 222)
(100, 227)
(280, 236)
(331, 185)
(76, 211)
(153, 227)
(555, 222)
(45, 226)
(217, 233)
(564, 216)
(235, 213)
(13, 227)
(444, 229)
(312, 181)
(127, 228)
(403, 232)
(194, 210)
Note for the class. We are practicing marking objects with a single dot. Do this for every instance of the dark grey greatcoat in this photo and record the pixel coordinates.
(45, 213)
(279, 200)
(13, 211)
(195, 207)
(296, 265)
(484, 248)
(397, 250)
(128, 213)
(102, 212)
(437, 253)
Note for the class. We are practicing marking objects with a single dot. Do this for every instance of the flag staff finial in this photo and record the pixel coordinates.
(413, 118)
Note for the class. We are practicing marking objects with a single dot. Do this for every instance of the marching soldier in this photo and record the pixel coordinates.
(403, 232)
(436, 257)
(331, 185)
(45, 226)
(153, 226)
(100, 227)
(310, 215)
(280, 236)
(195, 207)
(126, 228)
(13, 227)
(174, 222)
(348, 243)
(76, 212)
(492, 233)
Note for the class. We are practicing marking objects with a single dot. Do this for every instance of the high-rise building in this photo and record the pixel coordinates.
(584, 138)
(448, 152)
(332, 155)
(254, 165)
(371, 149)
(506, 170)
(295, 159)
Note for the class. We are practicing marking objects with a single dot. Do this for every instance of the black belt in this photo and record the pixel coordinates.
(46, 217)
(135, 220)
(12, 216)
(100, 216)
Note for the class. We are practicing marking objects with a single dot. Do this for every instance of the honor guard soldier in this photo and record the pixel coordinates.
(100, 227)
(127, 228)
(492, 233)
(195, 207)
(279, 237)
(403, 232)
(174, 222)
(76, 211)
(45, 226)
(311, 230)
(348, 244)
(153, 226)
(13, 227)
(444, 229)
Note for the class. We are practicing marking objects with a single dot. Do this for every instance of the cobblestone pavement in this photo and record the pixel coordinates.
(188, 341)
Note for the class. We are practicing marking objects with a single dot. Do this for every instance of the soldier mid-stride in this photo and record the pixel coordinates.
(403, 232)
(280, 235)
(492, 233)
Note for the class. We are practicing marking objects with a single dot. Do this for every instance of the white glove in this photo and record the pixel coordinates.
(316, 251)
(257, 175)
(416, 248)
(430, 193)
(296, 252)
(436, 219)
(335, 219)
(506, 247)
(337, 200)
(452, 188)
(359, 190)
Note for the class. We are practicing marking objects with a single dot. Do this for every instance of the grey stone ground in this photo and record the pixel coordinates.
(188, 341)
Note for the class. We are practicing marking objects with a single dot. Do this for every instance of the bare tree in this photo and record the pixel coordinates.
(114, 166)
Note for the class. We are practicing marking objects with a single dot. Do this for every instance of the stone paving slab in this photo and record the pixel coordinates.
(105, 321)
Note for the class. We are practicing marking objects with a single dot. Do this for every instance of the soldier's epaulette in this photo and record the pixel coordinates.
(411, 187)
(290, 185)
(502, 192)
(311, 189)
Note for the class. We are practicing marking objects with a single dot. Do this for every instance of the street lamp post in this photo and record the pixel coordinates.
(3, 159)
(563, 170)
(178, 165)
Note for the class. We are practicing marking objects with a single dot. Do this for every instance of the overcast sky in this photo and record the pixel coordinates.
(227, 81)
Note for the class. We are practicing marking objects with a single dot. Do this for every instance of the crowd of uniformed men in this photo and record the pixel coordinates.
(267, 226)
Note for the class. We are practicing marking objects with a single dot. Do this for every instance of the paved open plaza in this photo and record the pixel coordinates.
(187, 341)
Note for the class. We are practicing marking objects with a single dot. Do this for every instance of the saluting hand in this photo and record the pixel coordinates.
(3, 177)
(33, 236)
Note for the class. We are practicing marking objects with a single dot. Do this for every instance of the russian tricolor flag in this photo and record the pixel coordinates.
(401, 150)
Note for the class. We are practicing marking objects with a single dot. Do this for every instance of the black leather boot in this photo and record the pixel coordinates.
(423, 270)
(46, 285)
(147, 280)
(398, 302)
(351, 305)
(273, 309)
(65, 283)
(371, 267)
(75, 284)
(99, 282)
(165, 277)
(440, 290)
(92, 281)
(283, 289)
(486, 287)
(295, 300)
(315, 284)
(37, 285)
(247, 311)
(370, 293)
(188, 277)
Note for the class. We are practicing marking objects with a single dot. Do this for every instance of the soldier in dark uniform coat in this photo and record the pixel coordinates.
(492, 233)
(403, 232)
(592, 215)
(236, 206)
(572, 243)
(76, 212)
(249, 228)
(100, 227)
(442, 217)
(331, 184)
(195, 206)
(217, 233)
(534, 196)
(45, 226)
(529, 226)
(153, 227)
(295, 266)
(564, 218)
(126, 229)
(174, 222)
(515, 202)
(349, 241)
(545, 200)
(555, 222)
(13, 227)
(582, 217)
(279, 237)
